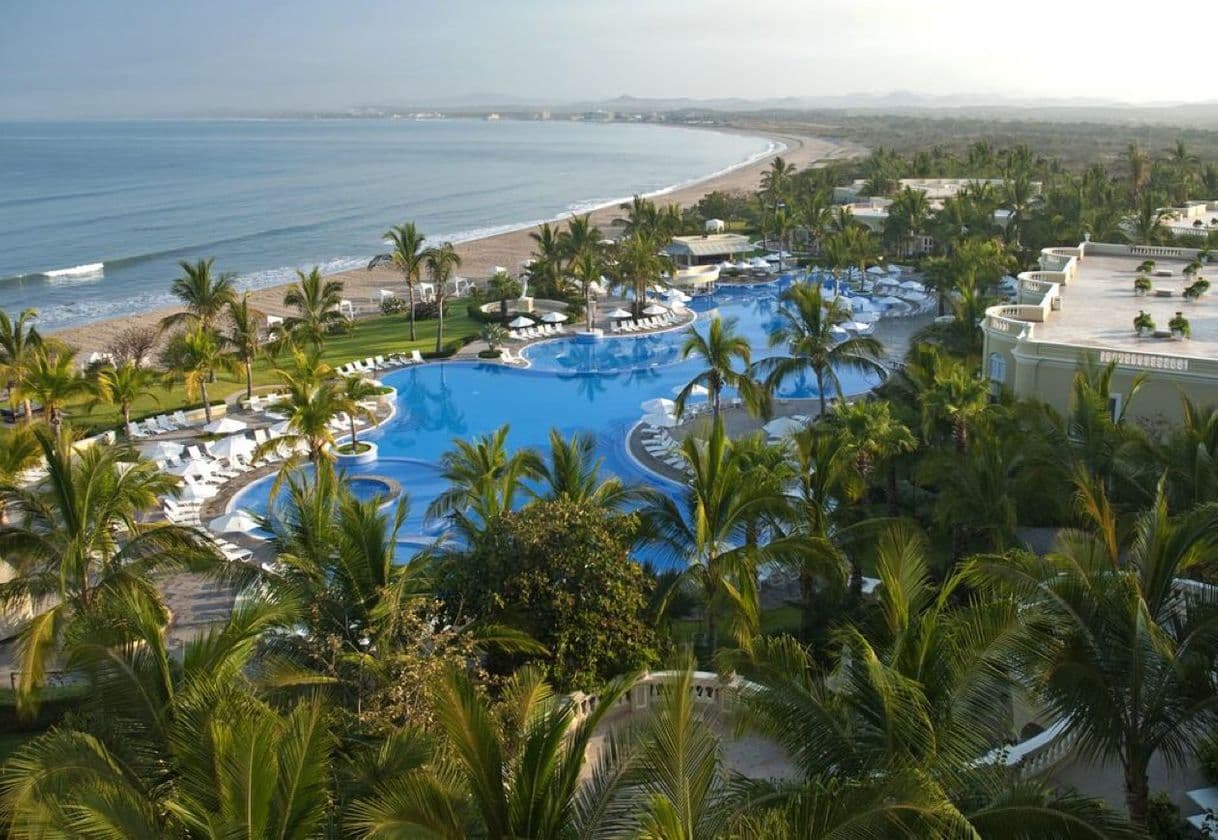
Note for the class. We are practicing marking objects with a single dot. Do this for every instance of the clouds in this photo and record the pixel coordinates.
(131, 57)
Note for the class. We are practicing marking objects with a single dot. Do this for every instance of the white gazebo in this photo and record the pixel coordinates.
(715, 226)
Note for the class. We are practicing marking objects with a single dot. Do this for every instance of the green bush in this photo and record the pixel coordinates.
(1207, 757)
(1163, 820)
(393, 306)
(53, 704)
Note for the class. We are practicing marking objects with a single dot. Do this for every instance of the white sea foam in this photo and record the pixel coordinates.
(86, 270)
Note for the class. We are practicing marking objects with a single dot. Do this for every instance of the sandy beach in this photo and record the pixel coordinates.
(479, 256)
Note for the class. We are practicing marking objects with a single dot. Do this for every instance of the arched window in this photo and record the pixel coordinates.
(998, 367)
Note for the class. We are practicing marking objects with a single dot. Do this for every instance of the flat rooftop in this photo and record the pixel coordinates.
(1098, 308)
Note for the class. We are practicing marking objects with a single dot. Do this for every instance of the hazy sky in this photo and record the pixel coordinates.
(63, 58)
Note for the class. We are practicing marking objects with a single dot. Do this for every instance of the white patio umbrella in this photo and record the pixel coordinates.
(782, 426)
(225, 426)
(233, 446)
(696, 391)
(655, 309)
(891, 301)
(913, 286)
(165, 450)
(619, 313)
(658, 406)
(553, 318)
(235, 522)
(839, 332)
(192, 467)
(198, 492)
(876, 270)
(677, 294)
(520, 322)
(663, 421)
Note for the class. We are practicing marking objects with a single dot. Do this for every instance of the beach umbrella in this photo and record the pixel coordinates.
(859, 327)
(198, 492)
(661, 421)
(236, 522)
(891, 301)
(225, 426)
(658, 406)
(234, 446)
(894, 269)
(519, 322)
(677, 294)
(782, 426)
(165, 450)
(192, 467)
(619, 313)
(876, 270)
(553, 317)
(838, 332)
(654, 309)
(913, 286)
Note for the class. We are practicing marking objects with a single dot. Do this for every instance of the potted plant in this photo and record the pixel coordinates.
(1146, 267)
(1179, 327)
(1141, 285)
(1192, 268)
(1196, 289)
(1143, 324)
(1204, 255)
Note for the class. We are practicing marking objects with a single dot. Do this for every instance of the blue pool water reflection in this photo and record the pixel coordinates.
(594, 387)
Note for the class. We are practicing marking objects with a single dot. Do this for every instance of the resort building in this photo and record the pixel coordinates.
(936, 189)
(708, 249)
(1080, 307)
(1195, 217)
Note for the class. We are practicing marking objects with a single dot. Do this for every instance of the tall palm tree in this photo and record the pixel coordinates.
(310, 402)
(354, 392)
(704, 524)
(19, 339)
(519, 763)
(776, 181)
(573, 472)
(720, 349)
(122, 386)
(1130, 666)
(196, 357)
(204, 296)
(588, 267)
(79, 544)
(504, 288)
(408, 258)
(485, 481)
(245, 336)
(906, 217)
(580, 237)
(52, 377)
(546, 265)
(639, 265)
(316, 302)
(441, 263)
(806, 319)
(1191, 456)
(956, 398)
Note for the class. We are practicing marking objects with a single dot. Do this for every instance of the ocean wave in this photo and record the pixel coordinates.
(92, 271)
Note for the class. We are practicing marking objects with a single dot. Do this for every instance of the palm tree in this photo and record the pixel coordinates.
(956, 398)
(573, 472)
(19, 340)
(581, 237)
(195, 357)
(877, 438)
(906, 217)
(775, 181)
(441, 263)
(245, 336)
(720, 349)
(80, 544)
(503, 287)
(805, 329)
(704, 525)
(204, 297)
(919, 706)
(1139, 169)
(310, 402)
(122, 386)
(1129, 668)
(546, 265)
(588, 267)
(317, 302)
(640, 265)
(51, 377)
(485, 482)
(522, 779)
(354, 392)
(408, 258)
(1191, 456)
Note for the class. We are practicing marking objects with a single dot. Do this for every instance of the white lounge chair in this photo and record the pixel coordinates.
(179, 417)
(138, 431)
(416, 357)
(380, 362)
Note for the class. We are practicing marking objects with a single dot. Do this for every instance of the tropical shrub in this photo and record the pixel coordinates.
(393, 306)
(1141, 284)
(1179, 324)
(1143, 321)
(560, 572)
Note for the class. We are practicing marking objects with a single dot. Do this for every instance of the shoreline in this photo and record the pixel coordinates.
(507, 248)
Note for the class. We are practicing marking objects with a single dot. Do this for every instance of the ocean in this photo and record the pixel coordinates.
(265, 197)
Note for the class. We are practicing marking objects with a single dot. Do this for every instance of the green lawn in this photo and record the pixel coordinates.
(379, 336)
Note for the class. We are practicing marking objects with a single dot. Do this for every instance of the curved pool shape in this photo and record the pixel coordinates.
(366, 488)
(571, 386)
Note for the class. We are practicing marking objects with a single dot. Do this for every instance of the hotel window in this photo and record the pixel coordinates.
(1114, 406)
(998, 374)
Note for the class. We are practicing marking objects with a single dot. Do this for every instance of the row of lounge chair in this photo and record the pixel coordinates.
(162, 424)
(187, 513)
(644, 324)
(541, 331)
(372, 364)
(661, 446)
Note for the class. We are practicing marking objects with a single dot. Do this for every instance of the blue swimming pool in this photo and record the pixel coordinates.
(594, 387)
